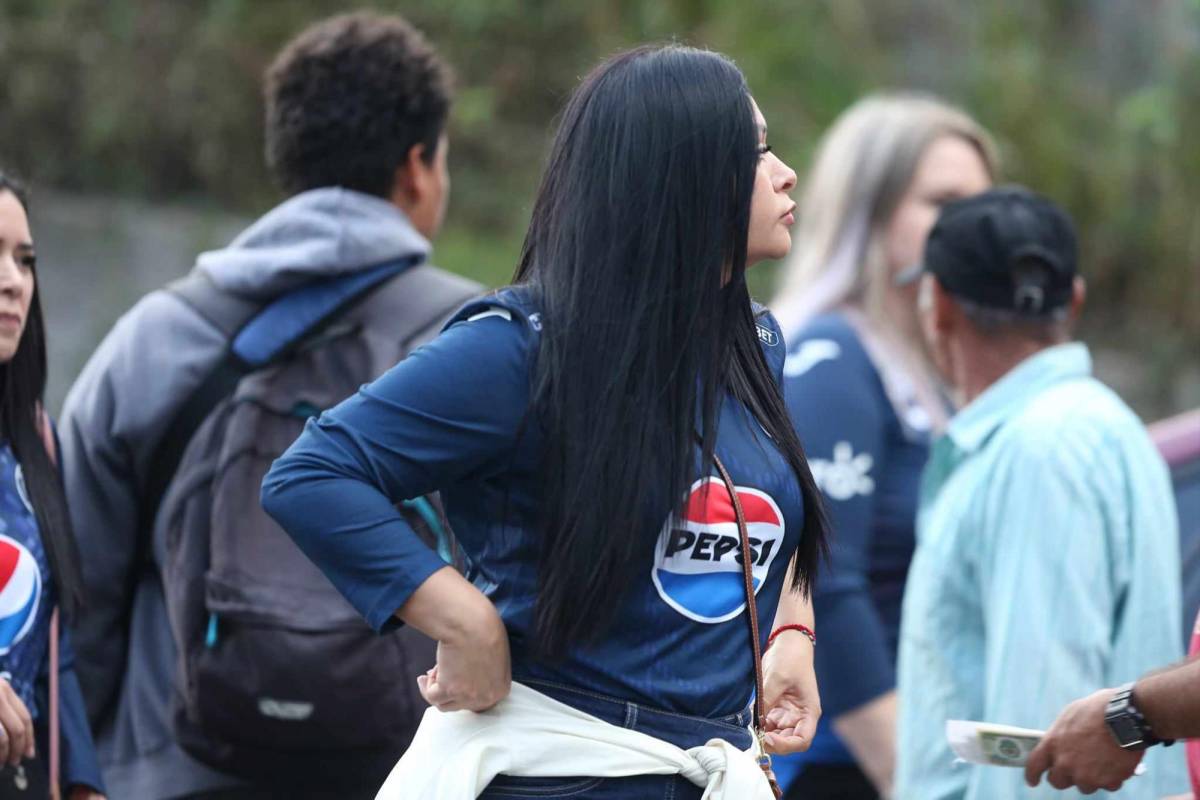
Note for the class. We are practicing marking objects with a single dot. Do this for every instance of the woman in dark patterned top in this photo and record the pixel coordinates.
(39, 567)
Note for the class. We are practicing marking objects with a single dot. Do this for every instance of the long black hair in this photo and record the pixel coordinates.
(22, 386)
(637, 254)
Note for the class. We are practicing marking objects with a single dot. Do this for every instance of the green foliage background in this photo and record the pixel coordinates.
(1093, 102)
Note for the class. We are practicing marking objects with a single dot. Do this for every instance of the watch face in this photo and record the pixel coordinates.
(1126, 730)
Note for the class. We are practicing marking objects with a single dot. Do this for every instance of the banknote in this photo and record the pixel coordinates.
(996, 745)
(989, 743)
(1007, 749)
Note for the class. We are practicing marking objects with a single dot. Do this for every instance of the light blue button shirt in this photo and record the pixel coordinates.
(1047, 567)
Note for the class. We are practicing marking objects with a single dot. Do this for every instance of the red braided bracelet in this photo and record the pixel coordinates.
(807, 631)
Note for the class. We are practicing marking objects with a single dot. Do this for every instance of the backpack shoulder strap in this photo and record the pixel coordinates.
(259, 335)
(416, 305)
(229, 313)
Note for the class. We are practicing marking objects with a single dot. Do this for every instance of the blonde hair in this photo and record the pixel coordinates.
(863, 166)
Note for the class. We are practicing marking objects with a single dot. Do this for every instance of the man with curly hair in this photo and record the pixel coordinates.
(356, 110)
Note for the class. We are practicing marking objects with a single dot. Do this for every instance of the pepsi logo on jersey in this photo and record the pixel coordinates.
(698, 559)
(20, 592)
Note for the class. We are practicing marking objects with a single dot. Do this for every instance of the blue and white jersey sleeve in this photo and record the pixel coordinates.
(450, 412)
(840, 412)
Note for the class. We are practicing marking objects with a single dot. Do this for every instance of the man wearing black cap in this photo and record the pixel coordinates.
(1047, 545)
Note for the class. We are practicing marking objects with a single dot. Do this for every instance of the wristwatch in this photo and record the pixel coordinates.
(1126, 723)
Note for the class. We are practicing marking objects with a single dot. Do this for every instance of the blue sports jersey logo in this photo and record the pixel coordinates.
(20, 592)
(767, 336)
(698, 560)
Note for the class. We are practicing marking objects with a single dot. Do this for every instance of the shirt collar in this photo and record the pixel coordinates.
(979, 419)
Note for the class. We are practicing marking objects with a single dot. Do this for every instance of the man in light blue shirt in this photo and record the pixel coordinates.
(1047, 546)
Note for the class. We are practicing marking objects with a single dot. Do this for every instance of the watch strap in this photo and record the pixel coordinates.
(1121, 715)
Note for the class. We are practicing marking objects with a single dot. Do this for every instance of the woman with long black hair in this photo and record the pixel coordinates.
(577, 424)
(40, 701)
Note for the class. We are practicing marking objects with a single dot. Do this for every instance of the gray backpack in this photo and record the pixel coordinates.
(279, 679)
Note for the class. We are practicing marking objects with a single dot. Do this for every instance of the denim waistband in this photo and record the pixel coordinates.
(680, 730)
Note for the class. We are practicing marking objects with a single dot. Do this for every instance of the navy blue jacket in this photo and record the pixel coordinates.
(451, 417)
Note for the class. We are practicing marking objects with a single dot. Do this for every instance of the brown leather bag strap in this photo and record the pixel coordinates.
(758, 709)
(748, 579)
(55, 723)
(46, 430)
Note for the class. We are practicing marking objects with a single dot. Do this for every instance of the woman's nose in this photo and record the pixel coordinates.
(787, 178)
(10, 275)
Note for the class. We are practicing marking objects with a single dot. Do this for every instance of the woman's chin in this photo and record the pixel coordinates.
(780, 248)
(776, 249)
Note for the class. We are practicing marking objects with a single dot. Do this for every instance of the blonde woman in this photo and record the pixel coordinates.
(865, 401)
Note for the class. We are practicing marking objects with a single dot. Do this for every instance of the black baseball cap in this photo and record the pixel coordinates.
(1008, 249)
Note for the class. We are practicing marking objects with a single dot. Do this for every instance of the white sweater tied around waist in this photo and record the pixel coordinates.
(455, 755)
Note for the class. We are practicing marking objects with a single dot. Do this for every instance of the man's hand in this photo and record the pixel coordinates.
(790, 695)
(1079, 750)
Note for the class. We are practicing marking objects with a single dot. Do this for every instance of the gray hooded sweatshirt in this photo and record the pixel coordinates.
(114, 416)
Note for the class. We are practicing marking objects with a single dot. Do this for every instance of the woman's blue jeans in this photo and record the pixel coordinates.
(678, 729)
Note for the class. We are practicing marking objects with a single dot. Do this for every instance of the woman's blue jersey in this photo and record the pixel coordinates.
(867, 463)
(455, 417)
(26, 591)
